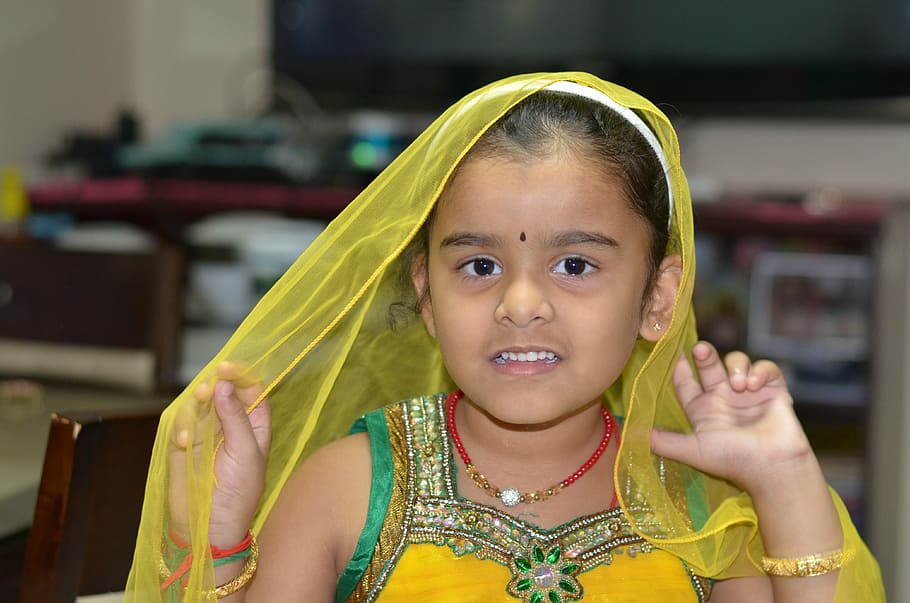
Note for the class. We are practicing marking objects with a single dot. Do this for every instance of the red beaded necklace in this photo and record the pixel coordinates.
(511, 496)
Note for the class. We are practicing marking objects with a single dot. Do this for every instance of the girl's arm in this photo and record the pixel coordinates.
(745, 430)
(310, 534)
(313, 528)
(796, 517)
(239, 469)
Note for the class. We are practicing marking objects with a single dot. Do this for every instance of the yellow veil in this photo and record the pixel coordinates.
(321, 342)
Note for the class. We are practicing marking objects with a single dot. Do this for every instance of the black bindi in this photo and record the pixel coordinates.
(523, 237)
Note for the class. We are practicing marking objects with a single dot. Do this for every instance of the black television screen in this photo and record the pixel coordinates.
(423, 53)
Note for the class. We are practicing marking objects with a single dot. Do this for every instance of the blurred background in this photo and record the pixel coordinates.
(163, 162)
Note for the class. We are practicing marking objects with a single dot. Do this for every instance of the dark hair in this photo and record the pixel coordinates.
(549, 123)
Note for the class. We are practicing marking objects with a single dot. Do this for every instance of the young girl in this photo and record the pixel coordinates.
(586, 447)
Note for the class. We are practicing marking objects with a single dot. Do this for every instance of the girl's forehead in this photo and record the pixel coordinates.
(538, 196)
(492, 183)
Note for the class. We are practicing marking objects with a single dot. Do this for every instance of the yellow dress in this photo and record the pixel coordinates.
(424, 543)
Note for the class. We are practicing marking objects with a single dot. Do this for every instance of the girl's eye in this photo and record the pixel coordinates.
(481, 267)
(573, 266)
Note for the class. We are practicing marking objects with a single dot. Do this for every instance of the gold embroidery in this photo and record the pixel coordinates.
(393, 526)
(702, 585)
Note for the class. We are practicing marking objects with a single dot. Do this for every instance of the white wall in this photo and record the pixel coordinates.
(765, 156)
(198, 59)
(63, 65)
(71, 65)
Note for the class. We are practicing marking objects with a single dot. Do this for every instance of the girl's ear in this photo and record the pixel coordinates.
(421, 279)
(659, 308)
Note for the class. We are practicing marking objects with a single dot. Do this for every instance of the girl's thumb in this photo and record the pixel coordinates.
(234, 421)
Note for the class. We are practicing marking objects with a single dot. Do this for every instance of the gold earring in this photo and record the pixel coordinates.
(657, 327)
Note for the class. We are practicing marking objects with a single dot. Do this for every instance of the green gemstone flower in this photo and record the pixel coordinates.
(544, 576)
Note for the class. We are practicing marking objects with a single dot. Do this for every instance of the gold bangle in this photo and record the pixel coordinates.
(801, 567)
(249, 568)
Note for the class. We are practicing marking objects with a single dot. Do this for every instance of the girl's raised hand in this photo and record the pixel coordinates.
(743, 423)
(240, 461)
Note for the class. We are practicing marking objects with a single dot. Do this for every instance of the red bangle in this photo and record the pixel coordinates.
(217, 553)
(242, 546)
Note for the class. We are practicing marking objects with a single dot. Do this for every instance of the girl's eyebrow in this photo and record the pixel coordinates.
(470, 239)
(560, 239)
(580, 237)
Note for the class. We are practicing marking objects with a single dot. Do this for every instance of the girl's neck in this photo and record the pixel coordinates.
(533, 460)
(561, 442)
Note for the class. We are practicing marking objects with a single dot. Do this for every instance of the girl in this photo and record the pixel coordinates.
(544, 223)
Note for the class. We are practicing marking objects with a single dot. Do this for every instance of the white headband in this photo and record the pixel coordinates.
(631, 117)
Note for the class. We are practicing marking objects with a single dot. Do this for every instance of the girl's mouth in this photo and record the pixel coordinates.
(541, 356)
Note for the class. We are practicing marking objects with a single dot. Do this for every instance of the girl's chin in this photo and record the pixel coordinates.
(530, 414)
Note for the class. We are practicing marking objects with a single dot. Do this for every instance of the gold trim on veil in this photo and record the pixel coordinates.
(321, 341)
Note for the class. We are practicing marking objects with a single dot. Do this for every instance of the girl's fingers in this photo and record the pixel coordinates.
(235, 423)
(260, 420)
(737, 365)
(181, 434)
(235, 390)
(203, 392)
(248, 385)
(242, 375)
(711, 369)
(676, 446)
(765, 372)
(687, 386)
(190, 414)
(228, 370)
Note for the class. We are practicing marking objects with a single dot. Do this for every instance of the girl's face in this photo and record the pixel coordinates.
(537, 270)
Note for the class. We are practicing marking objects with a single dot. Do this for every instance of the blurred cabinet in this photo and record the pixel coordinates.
(183, 301)
(795, 282)
(90, 311)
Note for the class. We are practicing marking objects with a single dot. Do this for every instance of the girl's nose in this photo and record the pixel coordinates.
(524, 302)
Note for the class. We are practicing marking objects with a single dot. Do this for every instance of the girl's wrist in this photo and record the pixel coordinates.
(234, 566)
(796, 515)
(787, 480)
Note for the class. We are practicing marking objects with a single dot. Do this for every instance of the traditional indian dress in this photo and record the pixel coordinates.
(321, 343)
(424, 542)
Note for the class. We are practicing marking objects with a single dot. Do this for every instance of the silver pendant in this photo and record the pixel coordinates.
(510, 497)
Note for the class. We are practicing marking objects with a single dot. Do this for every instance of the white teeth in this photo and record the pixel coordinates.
(542, 355)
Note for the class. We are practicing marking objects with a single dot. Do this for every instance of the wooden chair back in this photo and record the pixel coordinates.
(89, 502)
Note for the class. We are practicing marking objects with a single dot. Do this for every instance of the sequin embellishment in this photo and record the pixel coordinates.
(544, 576)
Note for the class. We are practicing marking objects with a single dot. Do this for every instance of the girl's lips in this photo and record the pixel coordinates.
(544, 363)
(540, 356)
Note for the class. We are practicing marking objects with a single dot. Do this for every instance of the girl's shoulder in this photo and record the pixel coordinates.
(325, 502)
(338, 477)
(348, 456)
(327, 499)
